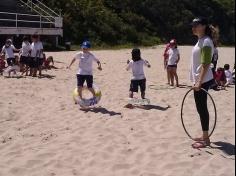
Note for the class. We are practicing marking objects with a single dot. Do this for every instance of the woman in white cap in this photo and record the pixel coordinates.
(201, 74)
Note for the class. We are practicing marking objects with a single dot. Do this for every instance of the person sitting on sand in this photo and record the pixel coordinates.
(228, 75)
(173, 60)
(2, 64)
(220, 78)
(48, 63)
(13, 68)
(85, 72)
(138, 78)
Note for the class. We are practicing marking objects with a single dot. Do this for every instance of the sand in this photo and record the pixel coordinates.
(43, 133)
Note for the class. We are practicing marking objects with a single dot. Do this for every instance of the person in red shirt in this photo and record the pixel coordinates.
(220, 78)
(166, 57)
(2, 64)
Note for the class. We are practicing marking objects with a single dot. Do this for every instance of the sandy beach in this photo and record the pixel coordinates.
(43, 133)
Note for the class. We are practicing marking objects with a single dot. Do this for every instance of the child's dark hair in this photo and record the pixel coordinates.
(35, 36)
(226, 67)
(136, 54)
(219, 69)
(25, 38)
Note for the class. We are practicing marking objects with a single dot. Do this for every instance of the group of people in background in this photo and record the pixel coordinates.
(31, 59)
(223, 75)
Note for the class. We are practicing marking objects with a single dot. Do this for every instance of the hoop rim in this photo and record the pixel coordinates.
(182, 106)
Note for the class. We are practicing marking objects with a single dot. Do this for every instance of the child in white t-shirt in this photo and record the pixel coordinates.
(36, 55)
(173, 60)
(8, 50)
(85, 69)
(25, 55)
(228, 75)
(138, 76)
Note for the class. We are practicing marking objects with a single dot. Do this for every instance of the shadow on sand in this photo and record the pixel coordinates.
(148, 107)
(102, 111)
(47, 76)
(225, 147)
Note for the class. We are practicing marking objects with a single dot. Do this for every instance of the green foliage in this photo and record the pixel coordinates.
(142, 22)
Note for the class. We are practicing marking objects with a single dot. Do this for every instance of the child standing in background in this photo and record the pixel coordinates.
(25, 55)
(138, 77)
(166, 56)
(36, 55)
(8, 50)
(173, 60)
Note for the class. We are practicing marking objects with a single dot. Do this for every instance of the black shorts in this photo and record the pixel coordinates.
(23, 60)
(172, 66)
(33, 62)
(82, 78)
(40, 61)
(138, 83)
(11, 61)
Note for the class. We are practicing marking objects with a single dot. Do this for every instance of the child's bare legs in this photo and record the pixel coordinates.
(176, 77)
(40, 70)
(27, 71)
(143, 95)
(22, 67)
(80, 92)
(31, 72)
(34, 72)
(168, 77)
(131, 94)
(92, 91)
(171, 77)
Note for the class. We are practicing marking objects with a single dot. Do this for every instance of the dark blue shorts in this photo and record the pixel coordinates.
(135, 84)
(82, 78)
(33, 62)
(11, 61)
(172, 66)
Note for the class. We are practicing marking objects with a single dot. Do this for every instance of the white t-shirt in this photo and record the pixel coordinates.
(137, 69)
(173, 56)
(229, 76)
(26, 48)
(85, 63)
(9, 52)
(215, 55)
(36, 47)
(195, 67)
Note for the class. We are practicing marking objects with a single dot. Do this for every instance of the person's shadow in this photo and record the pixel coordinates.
(226, 147)
(185, 86)
(47, 76)
(155, 107)
(102, 111)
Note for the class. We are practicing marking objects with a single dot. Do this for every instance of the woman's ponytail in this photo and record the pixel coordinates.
(213, 33)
